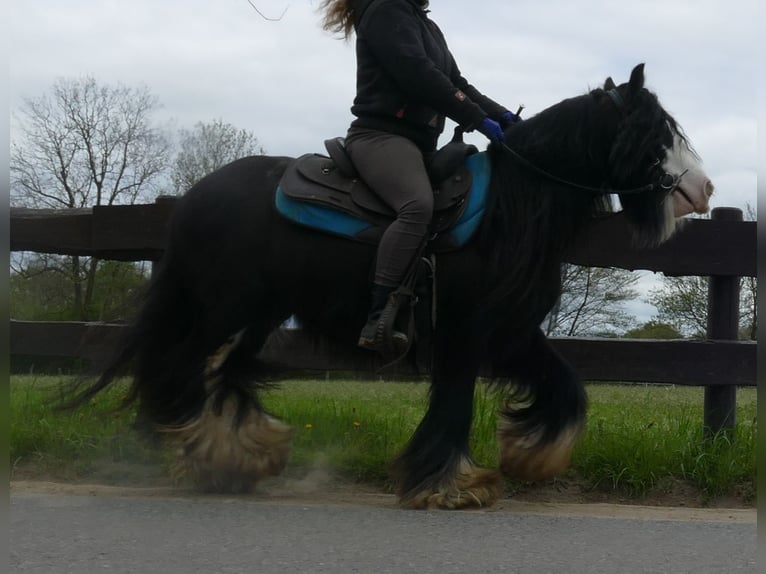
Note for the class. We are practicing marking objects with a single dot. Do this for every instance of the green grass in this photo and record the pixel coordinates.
(644, 438)
(639, 439)
(357, 427)
(70, 445)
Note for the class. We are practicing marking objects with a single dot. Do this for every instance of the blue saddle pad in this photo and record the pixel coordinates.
(326, 218)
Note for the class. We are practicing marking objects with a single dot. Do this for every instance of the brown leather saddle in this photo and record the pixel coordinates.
(332, 181)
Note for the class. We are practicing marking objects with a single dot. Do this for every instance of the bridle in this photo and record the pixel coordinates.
(666, 183)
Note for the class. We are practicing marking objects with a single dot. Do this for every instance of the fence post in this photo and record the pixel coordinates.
(160, 199)
(722, 324)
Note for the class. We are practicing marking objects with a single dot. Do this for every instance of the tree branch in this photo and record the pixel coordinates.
(262, 15)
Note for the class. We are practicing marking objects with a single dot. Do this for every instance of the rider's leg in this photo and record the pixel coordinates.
(393, 167)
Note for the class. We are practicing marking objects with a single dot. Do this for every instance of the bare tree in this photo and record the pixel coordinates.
(749, 309)
(85, 144)
(262, 15)
(591, 302)
(208, 147)
(749, 294)
(80, 145)
(682, 303)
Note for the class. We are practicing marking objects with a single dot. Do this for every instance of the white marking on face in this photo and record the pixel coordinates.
(695, 188)
(671, 224)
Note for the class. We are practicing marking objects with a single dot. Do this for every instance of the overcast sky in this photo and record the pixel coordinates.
(292, 84)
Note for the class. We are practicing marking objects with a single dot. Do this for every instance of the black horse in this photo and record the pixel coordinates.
(235, 270)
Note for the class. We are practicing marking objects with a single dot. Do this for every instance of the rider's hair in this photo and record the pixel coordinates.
(338, 16)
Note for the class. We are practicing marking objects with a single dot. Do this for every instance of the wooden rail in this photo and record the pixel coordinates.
(138, 232)
(680, 362)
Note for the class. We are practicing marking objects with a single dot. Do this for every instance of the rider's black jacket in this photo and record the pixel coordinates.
(407, 79)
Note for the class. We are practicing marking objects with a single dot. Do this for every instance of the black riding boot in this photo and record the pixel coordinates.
(373, 335)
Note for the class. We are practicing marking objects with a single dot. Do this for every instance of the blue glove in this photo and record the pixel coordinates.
(491, 129)
(510, 118)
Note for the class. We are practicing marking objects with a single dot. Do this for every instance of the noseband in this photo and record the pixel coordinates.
(667, 182)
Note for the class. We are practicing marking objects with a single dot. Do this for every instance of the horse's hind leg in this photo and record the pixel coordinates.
(231, 442)
(436, 469)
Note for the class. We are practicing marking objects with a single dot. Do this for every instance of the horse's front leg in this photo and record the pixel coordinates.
(544, 414)
(436, 469)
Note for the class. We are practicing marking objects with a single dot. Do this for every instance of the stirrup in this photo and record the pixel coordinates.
(373, 338)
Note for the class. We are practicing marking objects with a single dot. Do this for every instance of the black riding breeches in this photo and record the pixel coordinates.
(393, 167)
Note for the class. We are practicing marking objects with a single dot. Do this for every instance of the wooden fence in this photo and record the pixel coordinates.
(723, 248)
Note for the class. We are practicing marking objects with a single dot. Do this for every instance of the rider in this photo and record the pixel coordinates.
(407, 82)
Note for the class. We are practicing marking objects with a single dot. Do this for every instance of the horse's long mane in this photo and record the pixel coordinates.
(645, 134)
(531, 219)
(589, 140)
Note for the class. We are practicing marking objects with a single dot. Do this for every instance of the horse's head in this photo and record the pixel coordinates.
(650, 147)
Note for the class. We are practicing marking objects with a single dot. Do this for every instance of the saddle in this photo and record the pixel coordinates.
(332, 183)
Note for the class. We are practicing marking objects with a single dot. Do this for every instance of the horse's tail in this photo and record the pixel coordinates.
(147, 347)
(543, 416)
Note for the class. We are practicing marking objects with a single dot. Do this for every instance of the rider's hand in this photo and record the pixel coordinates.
(509, 118)
(491, 129)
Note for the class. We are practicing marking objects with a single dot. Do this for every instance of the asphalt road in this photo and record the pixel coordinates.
(82, 534)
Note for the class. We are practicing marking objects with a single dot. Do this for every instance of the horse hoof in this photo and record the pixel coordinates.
(221, 455)
(470, 487)
(526, 457)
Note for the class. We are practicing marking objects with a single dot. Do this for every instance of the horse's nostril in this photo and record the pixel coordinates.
(709, 188)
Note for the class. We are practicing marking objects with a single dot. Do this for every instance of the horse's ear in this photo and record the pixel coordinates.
(609, 84)
(636, 78)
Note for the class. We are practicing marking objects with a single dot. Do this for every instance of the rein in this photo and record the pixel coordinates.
(667, 182)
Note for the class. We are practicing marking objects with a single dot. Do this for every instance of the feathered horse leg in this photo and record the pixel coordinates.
(436, 469)
(231, 443)
(544, 415)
